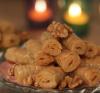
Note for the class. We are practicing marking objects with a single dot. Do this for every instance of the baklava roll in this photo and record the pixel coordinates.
(24, 74)
(70, 82)
(40, 57)
(75, 44)
(59, 30)
(10, 40)
(43, 59)
(32, 46)
(92, 50)
(50, 44)
(68, 61)
(52, 47)
(49, 77)
(64, 83)
(74, 82)
(90, 76)
(45, 36)
(93, 62)
(18, 56)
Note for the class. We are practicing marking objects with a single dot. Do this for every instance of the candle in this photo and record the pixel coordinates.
(40, 12)
(75, 15)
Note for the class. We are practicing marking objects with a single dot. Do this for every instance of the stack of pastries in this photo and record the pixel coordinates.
(59, 59)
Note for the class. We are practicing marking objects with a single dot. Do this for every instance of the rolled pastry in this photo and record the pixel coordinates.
(24, 73)
(64, 83)
(75, 44)
(10, 40)
(70, 82)
(68, 61)
(32, 46)
(18, 56)
(43, 59)
(90, 76)
(92, 49)
(45, 36)
(40, 57)
(74, 82)
(59, 30)
(52, 47)
(93, 62)
(49, 77)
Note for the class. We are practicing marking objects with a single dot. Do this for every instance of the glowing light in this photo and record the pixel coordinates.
(40, 6)
(74, 10)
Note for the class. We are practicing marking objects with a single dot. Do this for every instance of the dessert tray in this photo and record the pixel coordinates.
(14, 88)
(59, 62)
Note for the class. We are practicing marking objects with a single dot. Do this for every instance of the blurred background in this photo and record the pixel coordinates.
(35, 15)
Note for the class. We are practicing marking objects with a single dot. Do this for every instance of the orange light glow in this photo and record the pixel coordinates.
(40, 6)
(40, 12)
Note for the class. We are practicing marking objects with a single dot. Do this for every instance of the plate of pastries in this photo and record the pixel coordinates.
(58, 62)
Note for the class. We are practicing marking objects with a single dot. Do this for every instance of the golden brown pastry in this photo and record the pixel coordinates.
(93, 62)
(64, 83)
(52, 47)
(10, 39)
(18, 56)
(70, 82)
(40, 57)
(45, 36)
(25, 35)
(43, 59)
(32, 46)
(68, 60)
(75, 44)
(74, 82)
(49, 77)
(59, 30)
(24, 74)
(90, 76)
(92, 50)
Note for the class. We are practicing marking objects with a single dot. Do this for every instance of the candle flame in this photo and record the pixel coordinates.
(40, 5)
(74, 10)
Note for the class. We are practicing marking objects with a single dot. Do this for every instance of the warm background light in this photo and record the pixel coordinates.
(75, 15)
(40, 12)
(74, 10)
(40, 6)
